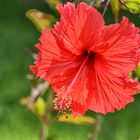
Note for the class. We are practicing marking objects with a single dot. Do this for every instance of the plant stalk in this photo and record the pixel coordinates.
(97, 127)
(44, 129)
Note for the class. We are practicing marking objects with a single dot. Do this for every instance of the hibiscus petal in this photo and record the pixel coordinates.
(78, 26)
(59, 66)
(108, 92)
(50, 55)
(119, 47)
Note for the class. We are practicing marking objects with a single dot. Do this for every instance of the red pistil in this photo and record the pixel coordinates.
(63, 104)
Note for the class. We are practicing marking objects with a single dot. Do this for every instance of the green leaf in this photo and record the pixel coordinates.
(39, 107)
(132, 5)
(138, 71)
(40, 20)
(69, 118)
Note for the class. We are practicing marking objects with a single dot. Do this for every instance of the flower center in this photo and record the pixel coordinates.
(90, 54)
(63, 104)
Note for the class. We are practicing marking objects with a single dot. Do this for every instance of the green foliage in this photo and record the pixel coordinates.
(40, 19)
(39, 107)
(138, 72)
(132, 5)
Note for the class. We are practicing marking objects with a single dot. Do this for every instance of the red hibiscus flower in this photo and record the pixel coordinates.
(86, 62)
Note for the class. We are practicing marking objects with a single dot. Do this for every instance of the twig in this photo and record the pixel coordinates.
(36, 92)
(97, 127)
(106, 6)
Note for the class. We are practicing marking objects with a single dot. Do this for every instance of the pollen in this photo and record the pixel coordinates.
(63, 104)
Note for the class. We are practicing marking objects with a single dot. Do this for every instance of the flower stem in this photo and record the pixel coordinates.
(44, 129)
(46, 120)
(97, 127)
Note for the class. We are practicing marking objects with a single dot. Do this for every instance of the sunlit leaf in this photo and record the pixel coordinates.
(40, 20)
(132, 5)
(69, 118)
(39, 107)
(138, 71)
(115, 6)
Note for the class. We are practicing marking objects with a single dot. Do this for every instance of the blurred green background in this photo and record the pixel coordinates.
(17, 34)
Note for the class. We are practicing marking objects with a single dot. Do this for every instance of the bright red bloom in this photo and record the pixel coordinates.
(86, 62)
